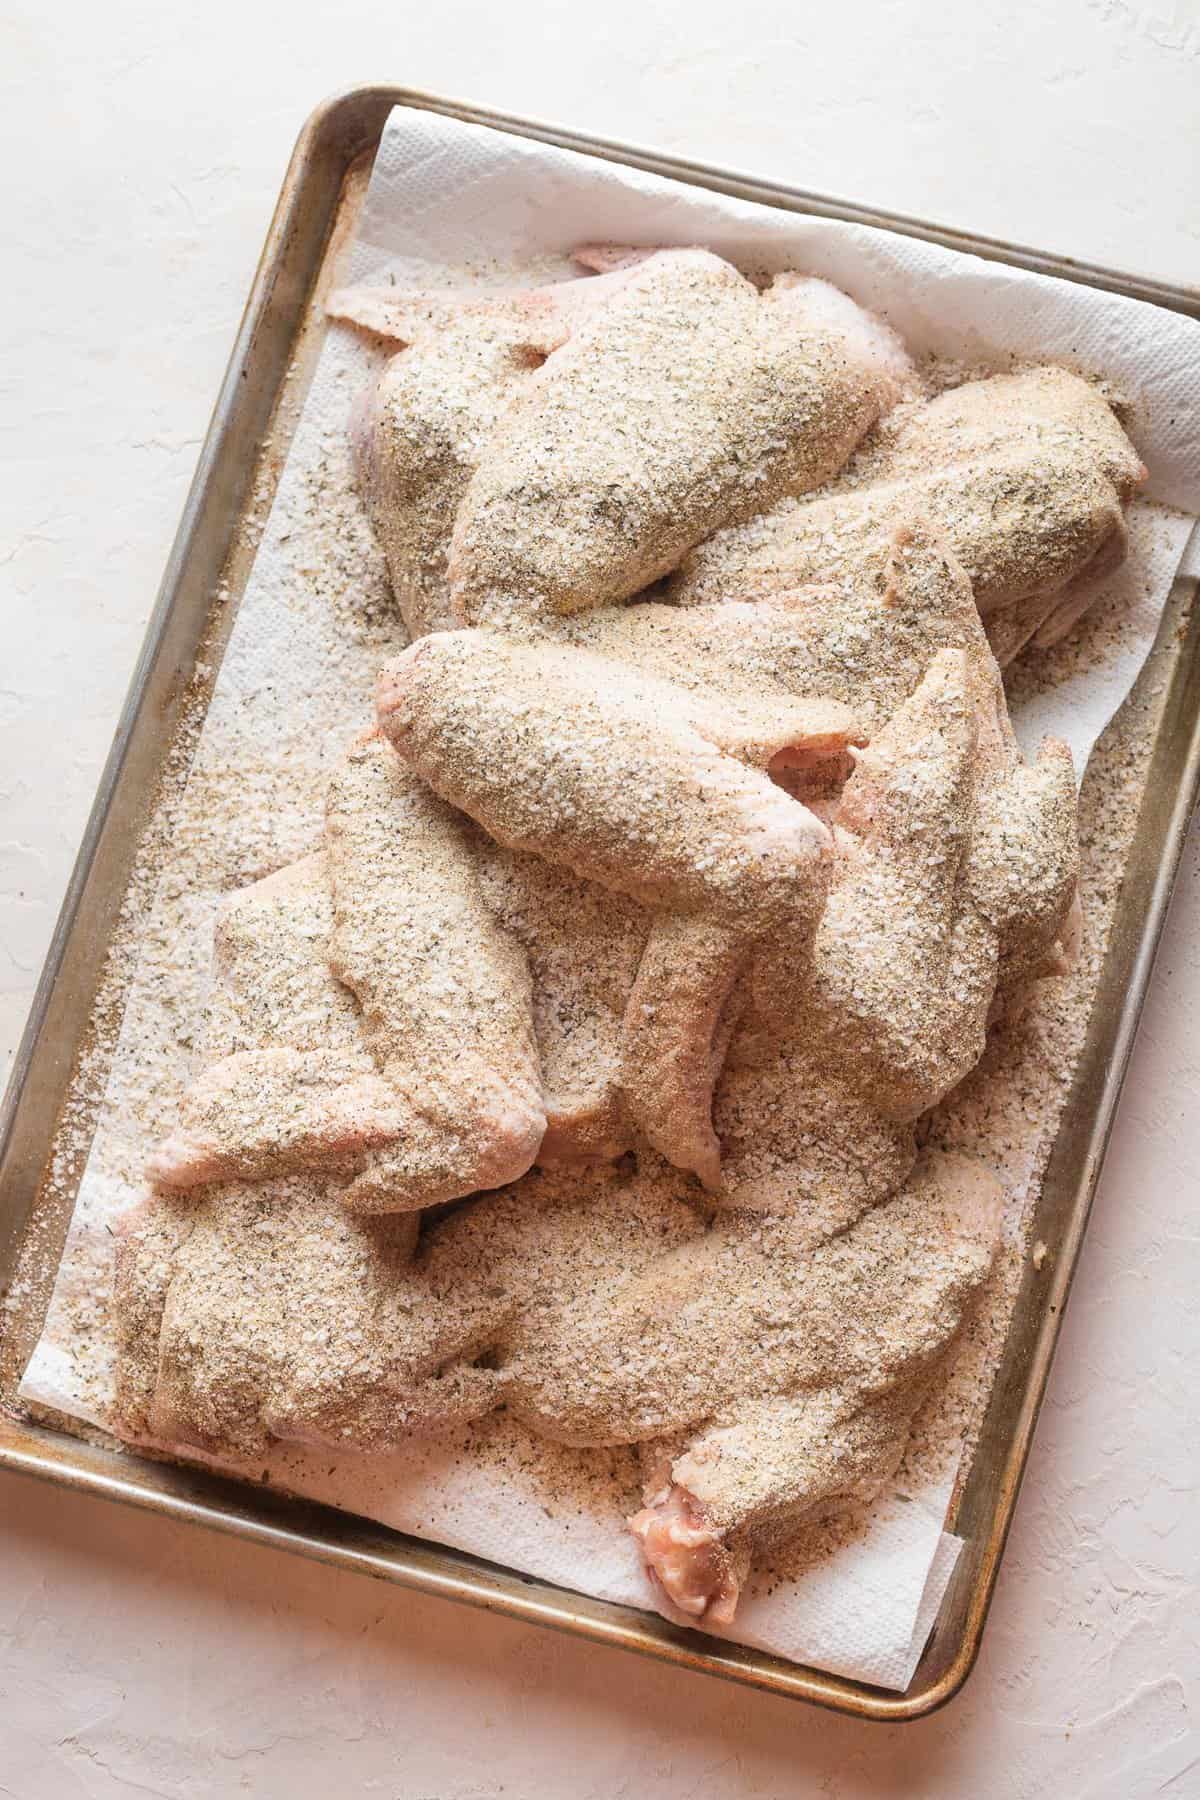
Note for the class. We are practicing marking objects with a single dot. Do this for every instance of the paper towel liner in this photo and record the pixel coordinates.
(448, 200)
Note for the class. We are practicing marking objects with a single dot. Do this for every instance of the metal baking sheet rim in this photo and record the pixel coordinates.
(338, 134)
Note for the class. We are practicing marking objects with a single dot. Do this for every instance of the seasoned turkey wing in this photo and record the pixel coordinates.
(444, 990)
(1026, 477)
(627, 780)
(533, 452)
(687, 402)
(248, 1316)
(584, 945)
(833, 1429)
(954, 877)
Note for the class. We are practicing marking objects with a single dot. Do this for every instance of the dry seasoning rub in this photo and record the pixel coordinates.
(1025, 477)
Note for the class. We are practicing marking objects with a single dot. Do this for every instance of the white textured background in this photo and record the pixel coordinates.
(141, 148)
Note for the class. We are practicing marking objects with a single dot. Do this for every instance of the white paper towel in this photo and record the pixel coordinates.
(443, 192)
(449, 201)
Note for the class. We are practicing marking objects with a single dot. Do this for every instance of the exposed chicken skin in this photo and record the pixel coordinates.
(1025, 476)
(742, 1488)
(632, 782)
(535, 319)
(686, 1556)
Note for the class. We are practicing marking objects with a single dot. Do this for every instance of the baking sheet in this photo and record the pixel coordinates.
(292, 816)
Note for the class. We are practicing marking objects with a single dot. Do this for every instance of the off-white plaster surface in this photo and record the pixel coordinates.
(141, 147)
